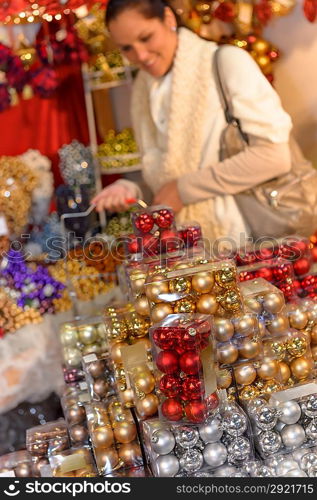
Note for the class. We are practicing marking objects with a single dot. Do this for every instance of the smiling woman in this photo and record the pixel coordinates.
(178, 120)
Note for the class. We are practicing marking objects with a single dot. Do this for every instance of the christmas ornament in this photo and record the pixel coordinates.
(215, 454)
(293, 435)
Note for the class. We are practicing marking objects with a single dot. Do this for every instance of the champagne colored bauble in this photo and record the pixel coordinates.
(115, 352)
(249, 348)
(160, 311)
(127, 398)
(23, 470)
(156, 289)
(125, 432)
(69, 338)
(100, 387)
(301, 367)
(203, 282)
(224, 329)
(260, 46)
(245, 325)
(87, 335)
(141, 306)
(254, 305)
(148, 406)
(227, 354)
(130, 454)
(298, 319)
(207, 304)
(278, 325)
(244, 374)
(314, 352)
(313, 335)
(102, 437)
(106, 460)
(76, 415)
(90, 349)
(273, 302)
(268, 369)
(145, 382)
(78, 433)
(284, 371)
(137, 281)
(96, 368)
(224, 379)
(72, 357)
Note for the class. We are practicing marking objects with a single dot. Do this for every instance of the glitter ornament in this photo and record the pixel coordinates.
(239, 449)
(266, 417)
(234, 423)
(186, 437)
(309, 406)
(191, 461)
(170, 385)
(311, 431)
(163, 218)
(308, 461)
(144, 222)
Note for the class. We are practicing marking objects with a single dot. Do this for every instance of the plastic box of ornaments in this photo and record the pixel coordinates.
(285, 423)
(219, 446)
(16, 464)
(73, 401)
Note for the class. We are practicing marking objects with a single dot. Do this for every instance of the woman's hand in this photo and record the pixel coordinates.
(169, 195)
(113, 198)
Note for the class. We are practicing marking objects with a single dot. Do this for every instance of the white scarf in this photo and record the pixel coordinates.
(188, 107)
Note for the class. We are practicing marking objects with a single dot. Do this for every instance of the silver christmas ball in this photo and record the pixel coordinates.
(266, 417)
(295, 473)
(215, 454)
(191, 461)
(186, 436)
(265, 471)
(270, 442)
(234, 423)
(225, 471)
(279, 426)
(211, 431)
(167, 465)
(202, 474)
(289, 412)
(299, 453)
(285, 466)
(239, 449)
(309, 406)
(311, 431)
(309, 460)
(293, 435)
(162, 441)
(312, 471)
(254, 404)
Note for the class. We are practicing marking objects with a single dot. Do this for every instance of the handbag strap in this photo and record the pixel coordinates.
(230, 119)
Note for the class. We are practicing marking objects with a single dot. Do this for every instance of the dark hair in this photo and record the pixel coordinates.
(149, 8)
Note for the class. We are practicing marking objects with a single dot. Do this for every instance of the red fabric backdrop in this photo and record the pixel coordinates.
(47, 124)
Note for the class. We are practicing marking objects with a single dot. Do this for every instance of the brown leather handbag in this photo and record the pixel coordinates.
(281, 206)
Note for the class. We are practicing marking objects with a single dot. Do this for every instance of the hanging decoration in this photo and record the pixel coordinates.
(310, 10)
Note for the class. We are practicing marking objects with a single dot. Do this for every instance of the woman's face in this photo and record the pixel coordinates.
(149, 44)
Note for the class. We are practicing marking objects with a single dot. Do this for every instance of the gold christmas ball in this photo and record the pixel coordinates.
(130, 454)
(127, 398)
(301, 368)
(245, 325)
(203, 282)
(249, 392)
(285, 371)
(141, 305)
(271, 386)
(90, 348)
(160, 311)
(313, 335)
(158, 288)
(148, 406)
(249, 348)
(265, 64)
(278, 325)
(115, 352)
(179, 285)
(119, 330)
(298, 319)
(268, 369)
(181, 265)
(224, 379)
(102, 437)
(273, 302)
(185, 306)
(260, 46)
(254, 305)
(137, 281)
(275, 349)
(138, 326)
(100, 387)
(224, 329)
(145, 382)
(69, 337)
(207, 304)
(230, 300)
(314, 352)
(227, 354)
(96, 368)
(244, 374)
(78, 433)
(87, 334)
(226, 277)
(76, 415)
(125, 432)
(297, 346)
(145, 341)
(282, 7)
(106, 460)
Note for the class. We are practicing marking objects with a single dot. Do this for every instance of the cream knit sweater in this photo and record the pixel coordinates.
(194, 124)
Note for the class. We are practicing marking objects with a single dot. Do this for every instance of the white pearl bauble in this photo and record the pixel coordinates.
(215, 454)
(162, 441)
(293, 436)
(225, 471)
(295, 473)
(285, 466)
(211, 431)
(167, 465)
(291, 412)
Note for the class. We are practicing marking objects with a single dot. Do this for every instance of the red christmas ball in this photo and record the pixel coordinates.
(170, 385)
(167, 362)
(132, 243)
(287, 289)
(212, 401)
(190, 363)
(265, 273)
(186, 341)
(265, 254)
(164, 218)
(144, 222)
(196, 411)
(309, 283)
(246, 276)
(301, 266)
(172, 409)
(192, 388)
(245, 259)
(314, 254)
(149, 245)
(164, 338)
(169, 241)
(191, 235)
(282, 271)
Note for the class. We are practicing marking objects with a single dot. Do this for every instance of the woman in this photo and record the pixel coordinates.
(178, 119)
